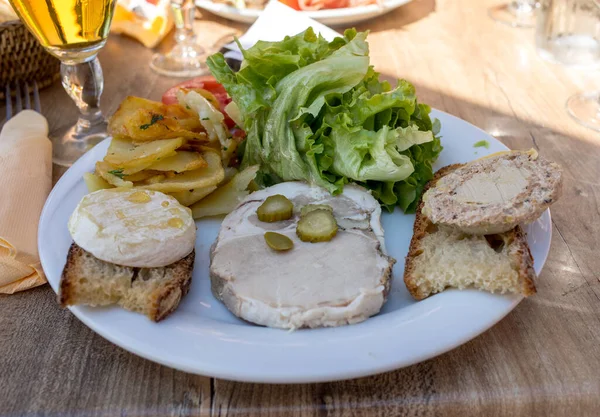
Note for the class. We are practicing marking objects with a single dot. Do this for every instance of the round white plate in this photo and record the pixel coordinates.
(203, 337)
(344, 16)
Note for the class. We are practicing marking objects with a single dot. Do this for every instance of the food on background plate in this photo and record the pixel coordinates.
(132, 247)
(476, 239)
(302, 5)
(341, 281)
(315, 111)
(494, 194)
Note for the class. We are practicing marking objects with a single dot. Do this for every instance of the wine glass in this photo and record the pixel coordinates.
(585, 109)
(73, 31)
(186, 59)
(517, 13)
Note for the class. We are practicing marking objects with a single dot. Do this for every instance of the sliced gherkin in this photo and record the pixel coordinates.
(317, 226)
(275, 208)
(278, 242)
(312, 207)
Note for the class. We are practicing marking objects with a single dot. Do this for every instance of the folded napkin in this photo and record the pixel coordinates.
(274, 23)
(25, 181)
(148, 21)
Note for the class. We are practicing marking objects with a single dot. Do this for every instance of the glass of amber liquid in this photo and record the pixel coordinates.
(74, 31)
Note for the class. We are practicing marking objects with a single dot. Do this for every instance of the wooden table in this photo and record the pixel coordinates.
(543, 359)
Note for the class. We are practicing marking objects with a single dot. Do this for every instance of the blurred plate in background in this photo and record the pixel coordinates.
(345, 16)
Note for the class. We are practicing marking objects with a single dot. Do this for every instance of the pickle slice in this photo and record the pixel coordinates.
(312, 207)
(317, 226)
(275, 208)
(279, 242)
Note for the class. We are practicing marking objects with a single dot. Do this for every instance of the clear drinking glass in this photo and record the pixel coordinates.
(73, 31)
(585, 109)
(186, 59)
(568, 32)
(518, 13)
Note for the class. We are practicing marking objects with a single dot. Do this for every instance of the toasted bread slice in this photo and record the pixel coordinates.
(155, 292)
(443, 257)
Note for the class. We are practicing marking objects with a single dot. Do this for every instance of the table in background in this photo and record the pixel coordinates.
(543, 359)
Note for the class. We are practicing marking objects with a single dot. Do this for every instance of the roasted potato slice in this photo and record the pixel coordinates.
(123, 153)
(141, 176)
(112, 174)
(144, 120)
(227, 197)
(213, 174)
(152, 180)
(94, 182)
(189, 197)
(180, 162)
(196, 146)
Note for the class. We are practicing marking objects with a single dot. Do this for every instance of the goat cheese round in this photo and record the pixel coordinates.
(132, 227)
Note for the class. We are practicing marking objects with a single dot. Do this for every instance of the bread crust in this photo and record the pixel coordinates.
(159, 301)
(520, 254)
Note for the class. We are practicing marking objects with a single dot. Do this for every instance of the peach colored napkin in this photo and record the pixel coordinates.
(148, 21)
(25, 181)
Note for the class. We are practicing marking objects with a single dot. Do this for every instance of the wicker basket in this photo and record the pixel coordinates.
(23, 59)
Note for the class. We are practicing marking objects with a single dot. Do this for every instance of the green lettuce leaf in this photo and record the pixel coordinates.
(316, 111)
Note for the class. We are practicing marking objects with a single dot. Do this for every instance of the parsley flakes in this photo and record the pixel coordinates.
(155, 118)
(117, 173)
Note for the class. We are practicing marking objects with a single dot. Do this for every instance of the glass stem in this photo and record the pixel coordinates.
(84, 83)
(184, 11)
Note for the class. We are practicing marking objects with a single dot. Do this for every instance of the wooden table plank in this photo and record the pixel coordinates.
(543, 359)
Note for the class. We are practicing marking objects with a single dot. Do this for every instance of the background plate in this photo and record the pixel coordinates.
(203, 337)
(345, 16)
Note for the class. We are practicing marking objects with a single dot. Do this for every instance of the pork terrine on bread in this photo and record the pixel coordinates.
(494, 194)
(441, 257)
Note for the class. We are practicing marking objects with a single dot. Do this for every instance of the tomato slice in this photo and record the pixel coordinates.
(207, 82)
(291, 3)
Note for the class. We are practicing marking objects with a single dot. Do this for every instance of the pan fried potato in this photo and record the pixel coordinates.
(141, 176)
(94, 182)
(213, 174)
(156, 179)
(112, 174)
(144, 120)
(227, 197)
(189, 197)
(123, 153)
(180, 162)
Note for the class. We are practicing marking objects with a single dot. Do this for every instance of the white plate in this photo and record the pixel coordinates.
(203, 337)
(344, 16)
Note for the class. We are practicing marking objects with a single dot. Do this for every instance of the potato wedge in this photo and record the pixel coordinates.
(94, 182)
(180, 162)
(227, 197)
(144, 120)
(123, 153)
(112, 175)
(189, 197)
(213, 174)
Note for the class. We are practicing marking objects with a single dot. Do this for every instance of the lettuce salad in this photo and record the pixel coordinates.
(316, 111)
